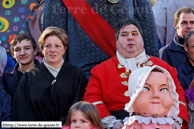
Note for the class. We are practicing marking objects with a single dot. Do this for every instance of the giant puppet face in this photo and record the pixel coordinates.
(155, 99)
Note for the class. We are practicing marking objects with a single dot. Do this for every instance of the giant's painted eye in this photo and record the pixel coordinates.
(164, 89)
(146, 89)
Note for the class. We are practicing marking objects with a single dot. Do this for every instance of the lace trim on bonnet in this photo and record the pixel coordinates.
(147, 120)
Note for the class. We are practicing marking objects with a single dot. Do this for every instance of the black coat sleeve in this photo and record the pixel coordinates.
(22, 109)
(80, 81)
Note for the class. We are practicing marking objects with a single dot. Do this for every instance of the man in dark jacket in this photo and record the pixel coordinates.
(174, 53)
(186, 69)
(23, 48)
(5, 105)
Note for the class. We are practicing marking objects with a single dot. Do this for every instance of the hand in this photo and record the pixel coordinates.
(176, 125)
(118, 125)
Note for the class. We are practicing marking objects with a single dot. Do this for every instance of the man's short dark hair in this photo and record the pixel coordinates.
(125, 23)
(22, 37)
(188, 37)
(180, 11)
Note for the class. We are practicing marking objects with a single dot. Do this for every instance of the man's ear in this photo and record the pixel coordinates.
(176, 26)
(35, 51)
(117, 43)
(185, 47)
(13, 54)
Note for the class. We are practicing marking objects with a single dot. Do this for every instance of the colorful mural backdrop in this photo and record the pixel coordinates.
(13, 15)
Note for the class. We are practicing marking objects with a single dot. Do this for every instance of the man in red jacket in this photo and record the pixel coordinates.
(108, 86)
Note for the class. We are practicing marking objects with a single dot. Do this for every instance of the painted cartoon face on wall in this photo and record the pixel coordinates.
(155, 99)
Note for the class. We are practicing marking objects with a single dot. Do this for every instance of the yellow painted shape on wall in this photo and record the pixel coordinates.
(5, 24)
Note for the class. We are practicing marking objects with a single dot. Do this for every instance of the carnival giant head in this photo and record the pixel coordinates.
(152, 93)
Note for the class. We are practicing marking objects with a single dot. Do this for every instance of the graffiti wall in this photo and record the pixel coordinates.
(13, 16)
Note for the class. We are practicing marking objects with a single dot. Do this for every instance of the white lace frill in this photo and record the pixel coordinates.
(109, 121)
(191, 105)
(147, 120)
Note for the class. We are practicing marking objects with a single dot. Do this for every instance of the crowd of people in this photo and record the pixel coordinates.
(130, 89)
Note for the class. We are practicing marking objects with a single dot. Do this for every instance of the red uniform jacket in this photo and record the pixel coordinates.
(107, 88)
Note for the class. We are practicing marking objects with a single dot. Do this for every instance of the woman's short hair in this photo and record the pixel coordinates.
(50, 31)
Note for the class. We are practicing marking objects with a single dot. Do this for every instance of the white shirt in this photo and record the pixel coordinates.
(132, 63)
(54, 71)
